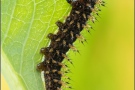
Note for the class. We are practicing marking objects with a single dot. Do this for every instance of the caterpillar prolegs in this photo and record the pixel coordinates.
(63, 40)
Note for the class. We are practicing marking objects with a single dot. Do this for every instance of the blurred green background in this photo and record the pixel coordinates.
(106, 62)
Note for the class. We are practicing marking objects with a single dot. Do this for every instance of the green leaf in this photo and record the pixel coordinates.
(25, 25)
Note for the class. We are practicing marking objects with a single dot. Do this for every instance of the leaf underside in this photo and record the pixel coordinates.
(25, 25)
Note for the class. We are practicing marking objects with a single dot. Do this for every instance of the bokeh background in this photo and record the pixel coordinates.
(106, 62)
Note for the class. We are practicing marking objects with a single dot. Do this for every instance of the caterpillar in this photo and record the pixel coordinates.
(63, 40)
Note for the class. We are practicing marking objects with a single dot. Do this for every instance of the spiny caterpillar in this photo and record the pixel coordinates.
(63, 40)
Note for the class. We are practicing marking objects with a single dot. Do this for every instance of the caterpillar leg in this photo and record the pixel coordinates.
(71, 1)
